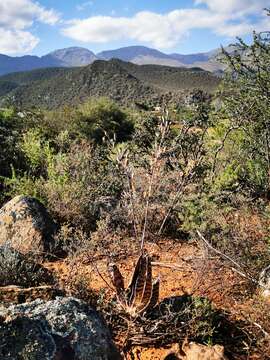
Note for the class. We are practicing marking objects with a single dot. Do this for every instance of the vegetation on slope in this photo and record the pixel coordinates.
(123, 82)
(172, 78)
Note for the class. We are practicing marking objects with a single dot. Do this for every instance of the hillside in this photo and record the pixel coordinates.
(171, 78)
(123, 82)
(7, 86)
(12, 81)
(77, 84)
(27, 77)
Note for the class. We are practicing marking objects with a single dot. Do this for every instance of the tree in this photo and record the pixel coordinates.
(246, 104)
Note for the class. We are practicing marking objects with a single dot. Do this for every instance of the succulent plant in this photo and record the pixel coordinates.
(142, 293)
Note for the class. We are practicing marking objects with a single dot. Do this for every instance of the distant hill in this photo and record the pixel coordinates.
(143, 55)
(168, 78)
(28, 77)
(140, 55)
(78, 56)
(74, 56)
(123, 82)
(10, 64)
(191, 58)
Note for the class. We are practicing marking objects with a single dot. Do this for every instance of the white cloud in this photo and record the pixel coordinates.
(84, 5)
(238, 7)
(12, 42)
(230, 18)
(16, 19)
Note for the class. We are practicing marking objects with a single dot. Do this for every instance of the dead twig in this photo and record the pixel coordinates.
(170, 266)
(266, 334)
(239, 269)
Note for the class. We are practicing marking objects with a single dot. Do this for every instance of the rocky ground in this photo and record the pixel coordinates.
(187, 269)
(56, 320)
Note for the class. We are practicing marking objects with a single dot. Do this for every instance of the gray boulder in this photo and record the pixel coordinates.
(26, 225)
(61, 329)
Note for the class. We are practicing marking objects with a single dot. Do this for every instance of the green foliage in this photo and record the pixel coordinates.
(206, 320)
(34, 148)
(228, 178)
(63, 164)
(102, 118)
(10, 132)
(246, 104)
(76, 185)
(19, 184)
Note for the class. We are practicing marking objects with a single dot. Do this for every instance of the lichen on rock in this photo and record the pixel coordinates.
(27, 226)
(65, 329)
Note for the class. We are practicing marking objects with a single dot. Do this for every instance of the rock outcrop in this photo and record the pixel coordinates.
(61, 329)
(27, 226)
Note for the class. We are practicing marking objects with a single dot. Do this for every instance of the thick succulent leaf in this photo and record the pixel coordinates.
(147, 291)
(137, 290)
(154, 296)
(131, 286)
(117, 278)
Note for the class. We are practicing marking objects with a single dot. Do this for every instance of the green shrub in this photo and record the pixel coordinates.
(10, 132)
(102, 118)
(246, 104)
(76, 186)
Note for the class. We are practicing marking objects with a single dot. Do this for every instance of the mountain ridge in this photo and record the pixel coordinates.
(79, 56)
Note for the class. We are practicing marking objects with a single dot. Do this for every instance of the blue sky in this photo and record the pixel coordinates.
(183, 26)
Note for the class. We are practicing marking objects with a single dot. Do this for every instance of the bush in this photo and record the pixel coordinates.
(246, 104)
(20, 270)
(10, 152)
(102, 118)
(76, 186)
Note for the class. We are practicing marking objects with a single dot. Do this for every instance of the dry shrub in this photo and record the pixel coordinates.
(158, 174)
(19, 269)
(243, 235)
(77, 282)
(72, 241)
(82, 184)
(176, 319)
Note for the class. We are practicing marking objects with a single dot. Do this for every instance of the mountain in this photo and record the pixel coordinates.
(74, 56)
(123, 82)
(69, 57)
(10, 64)
(140, 55)
(190, 59)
